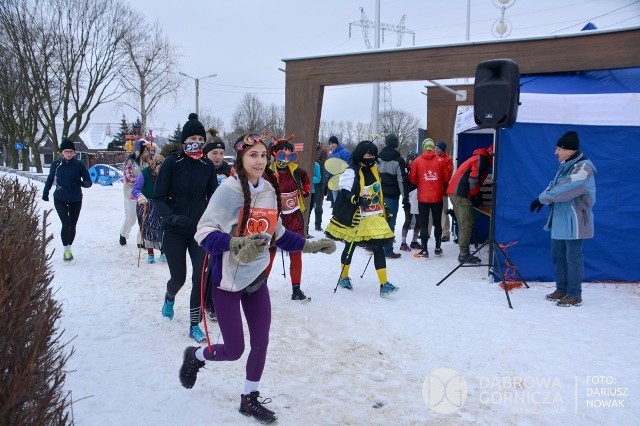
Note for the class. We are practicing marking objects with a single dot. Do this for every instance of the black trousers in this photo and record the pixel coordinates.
(176, 247)
(436, 213)
(316, 204)
(69, 214)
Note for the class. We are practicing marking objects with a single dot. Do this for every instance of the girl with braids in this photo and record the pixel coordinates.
(359, 215)
(241, 220)
(294, 185)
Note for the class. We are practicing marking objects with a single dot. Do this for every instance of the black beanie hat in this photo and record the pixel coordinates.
(569, 141)
(193, 127)
(391, 141)
(67, 144)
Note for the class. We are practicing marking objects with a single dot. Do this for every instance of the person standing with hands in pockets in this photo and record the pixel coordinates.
(185, 183)
(70, 176)
(571, 196)
(240, 222)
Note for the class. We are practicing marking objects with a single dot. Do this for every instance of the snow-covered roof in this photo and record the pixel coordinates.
(96, 136)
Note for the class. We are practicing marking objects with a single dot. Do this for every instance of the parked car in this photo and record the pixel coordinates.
(230, 159)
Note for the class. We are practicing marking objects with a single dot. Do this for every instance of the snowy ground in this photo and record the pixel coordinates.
(347, 357)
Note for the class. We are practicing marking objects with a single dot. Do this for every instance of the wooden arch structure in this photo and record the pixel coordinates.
(306, 78)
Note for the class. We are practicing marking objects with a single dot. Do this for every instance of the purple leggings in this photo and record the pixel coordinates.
(257, 311)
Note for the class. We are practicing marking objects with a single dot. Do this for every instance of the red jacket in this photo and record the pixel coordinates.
(471, 175)
(429, 174)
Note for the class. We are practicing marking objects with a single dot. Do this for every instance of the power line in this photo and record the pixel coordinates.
(596, 17)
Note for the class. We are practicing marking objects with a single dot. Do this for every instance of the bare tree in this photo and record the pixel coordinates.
(209, 120)
(249, 116)
(275, 121)
(402, 124)
(150, 73)
(72, 52)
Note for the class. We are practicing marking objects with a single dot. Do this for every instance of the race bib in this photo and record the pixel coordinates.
(373, 193)
(290, 202)
(261, 221)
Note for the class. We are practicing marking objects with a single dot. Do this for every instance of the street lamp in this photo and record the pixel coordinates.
(197, 80)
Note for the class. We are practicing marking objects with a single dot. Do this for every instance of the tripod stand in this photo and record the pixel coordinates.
(494, 247)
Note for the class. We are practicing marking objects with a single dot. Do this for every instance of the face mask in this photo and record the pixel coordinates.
(282, 164)
(193, 149)
(368, 162)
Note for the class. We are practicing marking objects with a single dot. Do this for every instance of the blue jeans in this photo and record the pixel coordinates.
(569, 265)
(392, 208)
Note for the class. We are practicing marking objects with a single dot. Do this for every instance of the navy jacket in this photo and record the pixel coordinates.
(69, 176)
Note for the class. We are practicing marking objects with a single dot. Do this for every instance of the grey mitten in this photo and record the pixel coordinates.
(248, 248)
(323, 245)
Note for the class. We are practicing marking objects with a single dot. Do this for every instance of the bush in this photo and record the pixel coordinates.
(32, 357)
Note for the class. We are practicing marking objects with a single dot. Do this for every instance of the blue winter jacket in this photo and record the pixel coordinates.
(571, 194)
(341, 152)
(68, 176)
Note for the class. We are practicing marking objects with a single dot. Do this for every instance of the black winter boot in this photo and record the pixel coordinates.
(190, 367)
(297, 293)
(250, 406)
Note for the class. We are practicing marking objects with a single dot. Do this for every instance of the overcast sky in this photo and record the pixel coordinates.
(244, 43)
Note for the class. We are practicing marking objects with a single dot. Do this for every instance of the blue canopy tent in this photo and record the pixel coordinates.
(604, 108)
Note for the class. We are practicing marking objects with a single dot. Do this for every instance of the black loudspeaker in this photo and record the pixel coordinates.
(496, 93)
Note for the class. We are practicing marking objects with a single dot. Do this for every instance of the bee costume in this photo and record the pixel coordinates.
(359, 215)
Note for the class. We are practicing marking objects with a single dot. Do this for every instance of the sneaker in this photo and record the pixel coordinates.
(250, 406)
(569, 301)
(297, 294)
(345, 283)
(415, 245)
(392, 255)
(190, 367)
(162, 258)
(167, 308)
(467, 258)
(555, 296)
(388, 289)
(423, 253)
(67, 255)
(123, 241)
(211, 312)
(438, 252)
(151, 259)
(195, 332)
(404, 247)
(445, 239)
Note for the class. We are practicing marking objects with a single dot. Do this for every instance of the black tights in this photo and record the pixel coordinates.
(175, 249)
(69, 214)
(379, 260)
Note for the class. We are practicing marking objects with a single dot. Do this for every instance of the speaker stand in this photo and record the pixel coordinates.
(494, 247)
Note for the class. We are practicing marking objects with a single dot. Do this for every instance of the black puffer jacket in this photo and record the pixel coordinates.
(184, 187)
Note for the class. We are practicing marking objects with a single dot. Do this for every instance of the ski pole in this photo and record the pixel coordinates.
(284, 272)
(367, 265)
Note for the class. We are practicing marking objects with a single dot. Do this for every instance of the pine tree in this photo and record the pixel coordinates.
(117, 144)
(175, 142)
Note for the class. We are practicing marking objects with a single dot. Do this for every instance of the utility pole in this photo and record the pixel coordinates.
(380, 28)
(197, 80)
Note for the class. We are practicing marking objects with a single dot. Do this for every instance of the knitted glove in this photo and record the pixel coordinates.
(45, 197)
(476, 200)
(536, 204)
(142, 199)
(248, 248)
(323, 245)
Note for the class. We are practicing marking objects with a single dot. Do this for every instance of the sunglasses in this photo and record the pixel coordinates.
(283, 156)
(375, 197)
(247, 141)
